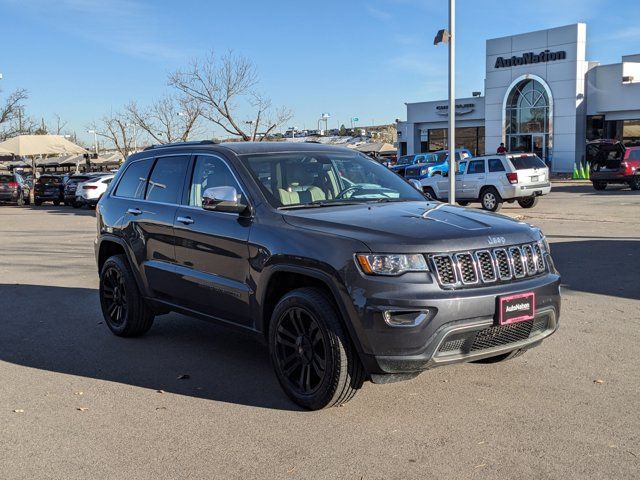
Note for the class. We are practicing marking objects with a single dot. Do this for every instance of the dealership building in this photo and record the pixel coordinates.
(541, 95)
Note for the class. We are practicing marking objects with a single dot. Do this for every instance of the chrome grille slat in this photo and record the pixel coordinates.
(486, 266)
(467, 271)
(517, 262)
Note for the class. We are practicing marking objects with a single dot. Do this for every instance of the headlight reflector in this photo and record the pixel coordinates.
(391, 264)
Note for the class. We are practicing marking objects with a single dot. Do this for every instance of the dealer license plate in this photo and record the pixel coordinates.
(516, 308)
(534, 179)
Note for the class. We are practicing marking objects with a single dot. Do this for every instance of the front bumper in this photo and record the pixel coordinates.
(460, 327)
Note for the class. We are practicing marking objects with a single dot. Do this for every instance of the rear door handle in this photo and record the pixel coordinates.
(134, 211)
(185, 220)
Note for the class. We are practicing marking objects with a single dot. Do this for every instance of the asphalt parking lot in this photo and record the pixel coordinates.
(77, 402)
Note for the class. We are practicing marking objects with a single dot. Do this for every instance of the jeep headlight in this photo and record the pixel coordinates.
(391, 264)
(424, 171)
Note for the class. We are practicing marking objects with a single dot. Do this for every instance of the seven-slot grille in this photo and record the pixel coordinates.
(487, 266)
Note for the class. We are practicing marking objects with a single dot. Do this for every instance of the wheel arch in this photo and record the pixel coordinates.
(285, 278)
(110, 245)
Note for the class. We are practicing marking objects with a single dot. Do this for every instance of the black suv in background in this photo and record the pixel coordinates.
(345, 269)
(14, 189)
(48, 188)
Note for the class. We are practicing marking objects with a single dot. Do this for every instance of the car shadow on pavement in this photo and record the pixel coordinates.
(589, 190)
(61, 330)
(604, 267)
(63, 210)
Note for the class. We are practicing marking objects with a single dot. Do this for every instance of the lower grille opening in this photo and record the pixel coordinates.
(492, 337)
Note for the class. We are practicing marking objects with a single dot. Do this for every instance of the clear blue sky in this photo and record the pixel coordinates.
(82, 58)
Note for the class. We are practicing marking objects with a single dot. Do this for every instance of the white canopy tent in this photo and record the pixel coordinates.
(31, 145)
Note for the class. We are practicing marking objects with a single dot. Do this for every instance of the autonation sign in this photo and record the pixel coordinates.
(528, 58)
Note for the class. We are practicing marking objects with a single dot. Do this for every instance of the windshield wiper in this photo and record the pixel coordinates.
(318, 204)
(385, 200)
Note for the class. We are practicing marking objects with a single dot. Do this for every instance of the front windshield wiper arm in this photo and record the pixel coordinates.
(385, 200)
(318, 204)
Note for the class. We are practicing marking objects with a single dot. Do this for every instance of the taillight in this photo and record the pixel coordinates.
(89, 187)
(512, 177)
(624, 164)
(12, 184)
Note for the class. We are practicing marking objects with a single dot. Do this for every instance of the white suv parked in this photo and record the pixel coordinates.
(89, 192)
(494, 179)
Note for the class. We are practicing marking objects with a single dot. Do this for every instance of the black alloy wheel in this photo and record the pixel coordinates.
(301, 350)
(312, 355)
(114, 296)
(123, 307)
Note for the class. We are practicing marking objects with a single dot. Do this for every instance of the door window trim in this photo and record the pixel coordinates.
(184, 201)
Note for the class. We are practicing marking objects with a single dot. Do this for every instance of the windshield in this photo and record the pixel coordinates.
(526, 162)
(326, 178)
(441, 156)
(49, 180)
(405, 160)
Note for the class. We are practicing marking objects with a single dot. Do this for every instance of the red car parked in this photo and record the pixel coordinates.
(613, 163)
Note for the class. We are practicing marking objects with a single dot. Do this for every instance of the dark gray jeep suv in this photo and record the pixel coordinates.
(347, 272)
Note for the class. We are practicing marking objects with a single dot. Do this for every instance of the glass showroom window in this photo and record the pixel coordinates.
(528, 118)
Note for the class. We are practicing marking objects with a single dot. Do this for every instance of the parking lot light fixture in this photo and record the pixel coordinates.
(95, 139)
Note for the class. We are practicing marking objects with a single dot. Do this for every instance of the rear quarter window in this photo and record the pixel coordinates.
(495, 165)
(634, 155)
(527, 162)
(134, 179)
(6, 178)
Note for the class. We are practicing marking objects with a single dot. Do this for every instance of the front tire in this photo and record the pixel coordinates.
(529, 202)
(76, 204)
(429, 193)
(635, 182)
(491, 200)
(462, 203)
(599, 185)
(123, 307)
(311, 353)
(56, 202)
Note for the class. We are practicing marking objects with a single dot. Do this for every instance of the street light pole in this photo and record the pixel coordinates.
(95, 140)
(452, 102)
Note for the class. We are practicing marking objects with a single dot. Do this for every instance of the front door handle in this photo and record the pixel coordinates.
(185, 220)
(134, 211)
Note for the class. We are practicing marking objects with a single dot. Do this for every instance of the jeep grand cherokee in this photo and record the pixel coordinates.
(344, 269)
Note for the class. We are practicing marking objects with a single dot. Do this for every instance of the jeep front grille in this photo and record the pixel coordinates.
(480, 267)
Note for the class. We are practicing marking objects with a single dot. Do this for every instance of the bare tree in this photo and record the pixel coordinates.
(219, 84)
(58, 125)
(116, 129)
(170, 119)
(12, 106)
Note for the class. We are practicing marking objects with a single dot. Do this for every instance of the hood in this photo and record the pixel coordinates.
(409, 227)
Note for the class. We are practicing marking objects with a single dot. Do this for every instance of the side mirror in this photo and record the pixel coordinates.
(415, 184)
(222, 199)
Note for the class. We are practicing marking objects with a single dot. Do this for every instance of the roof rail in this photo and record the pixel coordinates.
(181, 144)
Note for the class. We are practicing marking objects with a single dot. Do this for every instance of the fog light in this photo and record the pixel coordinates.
(405, 318)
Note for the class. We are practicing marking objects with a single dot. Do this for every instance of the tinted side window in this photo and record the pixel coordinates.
(167, 178)
(476, 166)
(495, 165)
(133, 181)
(634, 155)
(210, 172)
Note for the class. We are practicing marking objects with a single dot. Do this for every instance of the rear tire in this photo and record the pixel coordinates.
(37, 203)
(462, 203)
(599, 185)
(311, 352)
(429, 193)
(491, 200)
(529, 202)
(635, 182)
(76, 204)
(123, 307)
(56, 202)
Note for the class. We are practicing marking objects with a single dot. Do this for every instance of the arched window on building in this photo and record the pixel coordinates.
(528, 118)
